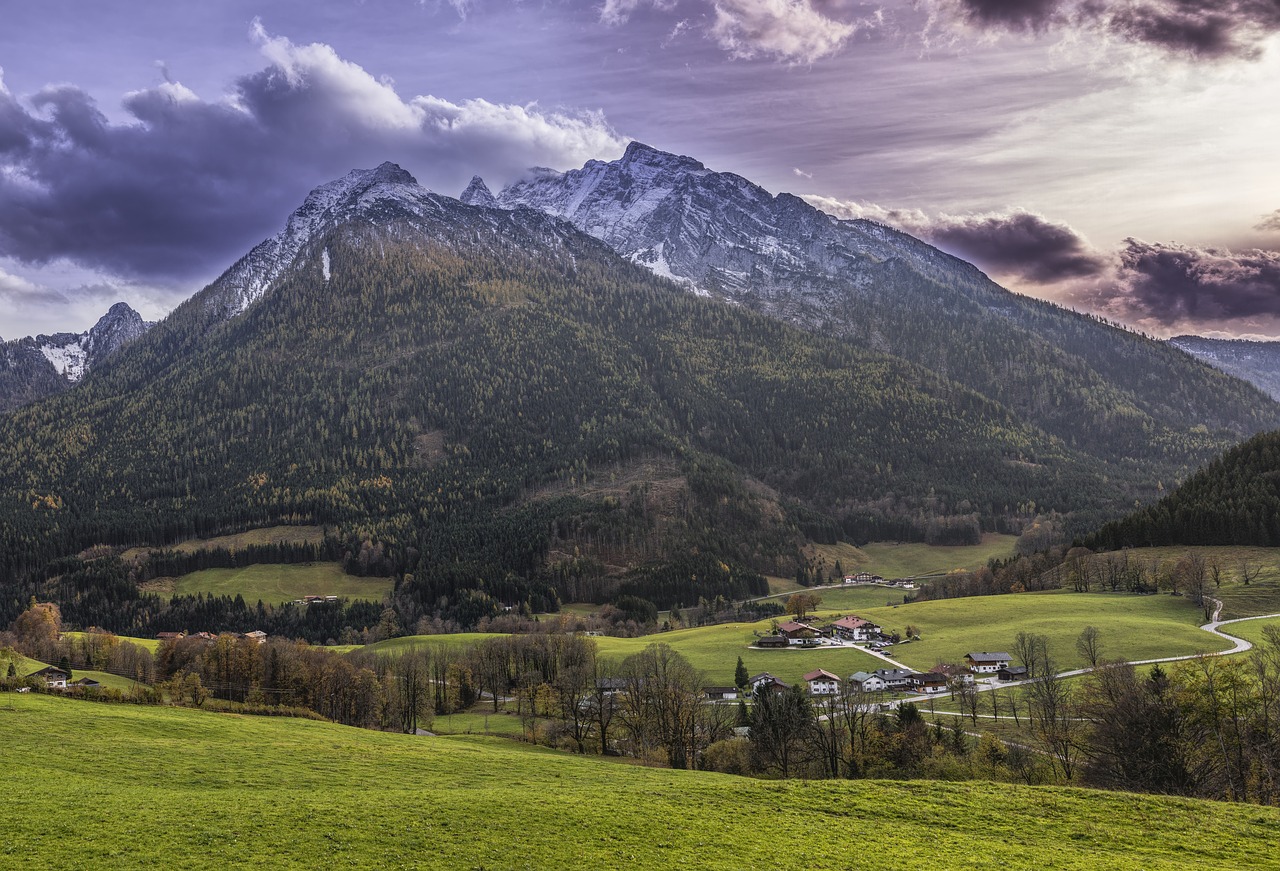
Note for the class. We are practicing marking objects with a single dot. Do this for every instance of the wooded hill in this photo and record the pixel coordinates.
(502, 412)
(1233, 500)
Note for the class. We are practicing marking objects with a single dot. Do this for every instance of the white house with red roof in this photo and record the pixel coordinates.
(822, 682)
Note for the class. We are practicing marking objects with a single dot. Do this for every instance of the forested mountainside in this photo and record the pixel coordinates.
(497, 410)
(1233, 500)
(40, 366)
(1255, 362)
(1097, 387)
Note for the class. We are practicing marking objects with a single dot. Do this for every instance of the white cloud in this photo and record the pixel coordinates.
(788, 30)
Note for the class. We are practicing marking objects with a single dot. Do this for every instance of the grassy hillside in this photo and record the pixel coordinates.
(890, 559)
(182, 788)
(26, 666)
(280, 583)
(241, 540)
(1133, 627)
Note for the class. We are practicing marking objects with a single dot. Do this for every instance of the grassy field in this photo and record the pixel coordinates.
(1132, 627)
(855, 598)
(240, 540)
(281, 583)
(180, 788)
(479, 721)
(1252, 630)
(152, 644)
(25, 666)
(893, 560)
(713, 649)
(1262, 596)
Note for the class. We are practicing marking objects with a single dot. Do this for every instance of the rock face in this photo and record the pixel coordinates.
(40, 366)
(385, 201)
(723, 236)
(1255, 362)
(478, 194)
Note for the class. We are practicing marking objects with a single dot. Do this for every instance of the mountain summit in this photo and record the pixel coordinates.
(39, 366)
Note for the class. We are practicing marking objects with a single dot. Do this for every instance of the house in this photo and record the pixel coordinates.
(822, 683)
(853, 628)
(85, 683)
(54, 677)
(894, 678)
(1012, 672)
(930, 682)
(798, 633)
(166, 636)
(772, 641)
(611, 686)
(765, 682)
(987, 663)
(870, 683)
(865, 578)
(720, 694)
(257, 635)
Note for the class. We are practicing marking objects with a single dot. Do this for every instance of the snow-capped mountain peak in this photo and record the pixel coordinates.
(478, 194)
(384, 193)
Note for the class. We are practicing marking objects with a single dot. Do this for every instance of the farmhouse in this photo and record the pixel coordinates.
(166, 636)
(765, 682)
(720, 694)
(929, 683)
(987, 663)
(1012, 672)
(798, 633)
(894, 678)
(822, 683)
(870, 683)
(257, 635)
(611, 686)
(772, 641)
(54, 677)
(853, 628)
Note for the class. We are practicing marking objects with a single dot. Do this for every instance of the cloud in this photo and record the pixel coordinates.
(1199, 29)
(1168, 283)
(189, 184)
(1015, 244)
(800, 172)
(1269, 223)
(787, 30)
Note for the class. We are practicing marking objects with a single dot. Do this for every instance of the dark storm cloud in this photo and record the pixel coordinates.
(1021, 244)
(1012, 244)
(1206, 29)
(1169, 283)
(190, 184)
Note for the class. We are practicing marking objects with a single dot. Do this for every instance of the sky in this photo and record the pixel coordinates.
(1116, 156)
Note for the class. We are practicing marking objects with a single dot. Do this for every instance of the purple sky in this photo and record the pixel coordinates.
(1119, 157)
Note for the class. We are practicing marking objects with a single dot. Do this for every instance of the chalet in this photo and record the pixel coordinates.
(987, 663)
(822, 683)
(870, 683)
(769, 641)
(798, 633)
(765, 682)
(865, 578)
(720, 694)
(854, 629)
(257, 635)
(894, 678)
(54, 677)
(1012, 673)
(611, 686)
(929, 683)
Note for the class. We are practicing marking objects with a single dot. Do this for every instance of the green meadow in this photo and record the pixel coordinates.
(275, 583)
(140, 787)
(712, 649)
(240, 540)
(24, 666)
(910, 559)
(1132, 627)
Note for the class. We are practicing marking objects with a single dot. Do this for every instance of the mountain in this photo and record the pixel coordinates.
(1255, 362)
(1093, 385)
(496, 407)
(39, 366)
